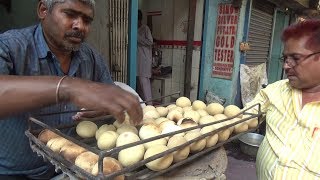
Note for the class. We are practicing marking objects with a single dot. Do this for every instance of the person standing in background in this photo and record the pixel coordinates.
(144, 60)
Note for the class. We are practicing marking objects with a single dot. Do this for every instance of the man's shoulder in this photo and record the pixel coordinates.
(88, 49)
(85, 47)
(283, 82)
(281, 85)
(23, 35)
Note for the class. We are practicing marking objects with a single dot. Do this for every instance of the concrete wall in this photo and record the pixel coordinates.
(221, 87)
(99, 35)
(23, 13)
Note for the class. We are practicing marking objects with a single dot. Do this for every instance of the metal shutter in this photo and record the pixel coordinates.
(260, 32)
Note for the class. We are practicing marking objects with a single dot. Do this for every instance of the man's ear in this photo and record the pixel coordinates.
(42, 10)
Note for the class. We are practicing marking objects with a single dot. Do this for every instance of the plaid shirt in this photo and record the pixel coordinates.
(25, 52)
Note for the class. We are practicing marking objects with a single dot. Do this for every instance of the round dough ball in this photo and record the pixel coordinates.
(151, 114)
(194, 115)
(224, 135)
(126, 121)
(160, 163)
(171, 106)
(172, 128)
(241, 127)
(211, 139)
(127, 138)
(174, 115)
(202, 112)
(197, 104)
(148, 121)
(148, 108)
(187, 123)
(45, 135)
(71, 151)
(126, 158)
(163, 111)
(234, 120)
(56, 144)
(104, 128)
(207, 119)
(182, 153)
(160, 120)
(161, 141)
(188, 108)
(86, 161)
(166, 123)
(215, 108)
(107, 140)
(219, 117)
(127, 128)
(180, 109)
(183, 102)
(117, 124)
(198, 145)
(110, 165)
(86, 129)
(148, 130)
(252, 123)
(232, 110)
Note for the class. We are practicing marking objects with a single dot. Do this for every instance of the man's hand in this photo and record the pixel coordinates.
(102, 98)
(88, 114)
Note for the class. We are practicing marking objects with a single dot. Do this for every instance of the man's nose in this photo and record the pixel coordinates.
(286, 65)
(78, 24)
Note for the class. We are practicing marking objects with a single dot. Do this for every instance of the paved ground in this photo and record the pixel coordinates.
(240, 165)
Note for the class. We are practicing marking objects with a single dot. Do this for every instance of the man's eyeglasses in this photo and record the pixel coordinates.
(294, 59)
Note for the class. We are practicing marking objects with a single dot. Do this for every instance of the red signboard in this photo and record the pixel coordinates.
(226, 30)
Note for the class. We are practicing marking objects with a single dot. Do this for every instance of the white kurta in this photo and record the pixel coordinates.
(144, 55)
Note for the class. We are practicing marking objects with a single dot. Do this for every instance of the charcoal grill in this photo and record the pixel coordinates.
(136, 171)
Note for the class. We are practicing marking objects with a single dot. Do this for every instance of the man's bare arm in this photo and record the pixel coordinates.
(25, 93)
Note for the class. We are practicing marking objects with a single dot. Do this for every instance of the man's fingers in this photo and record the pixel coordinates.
(132, 105)
(120, 117)
(93, 114)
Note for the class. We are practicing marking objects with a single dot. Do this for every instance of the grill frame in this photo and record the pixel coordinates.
(139, 169)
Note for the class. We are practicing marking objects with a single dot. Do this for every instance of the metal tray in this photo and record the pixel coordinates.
(136, 171)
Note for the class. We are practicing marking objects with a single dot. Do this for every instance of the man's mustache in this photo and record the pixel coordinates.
(76, 34)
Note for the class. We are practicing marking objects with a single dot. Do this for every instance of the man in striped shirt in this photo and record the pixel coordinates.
(291, 147)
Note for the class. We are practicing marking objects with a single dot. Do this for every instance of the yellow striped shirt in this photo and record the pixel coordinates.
(291, 147)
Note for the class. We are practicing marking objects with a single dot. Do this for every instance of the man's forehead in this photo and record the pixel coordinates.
(77, 6)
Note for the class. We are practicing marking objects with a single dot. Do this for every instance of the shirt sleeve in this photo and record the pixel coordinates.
(145, 38)
(262, 99)
(6, 64)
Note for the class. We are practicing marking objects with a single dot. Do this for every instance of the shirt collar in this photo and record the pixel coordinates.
(41, 44)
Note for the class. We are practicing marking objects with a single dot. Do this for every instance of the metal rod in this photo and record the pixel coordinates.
(178, 92)
(88, 110)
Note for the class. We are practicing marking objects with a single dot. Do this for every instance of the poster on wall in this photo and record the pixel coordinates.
(226, 29)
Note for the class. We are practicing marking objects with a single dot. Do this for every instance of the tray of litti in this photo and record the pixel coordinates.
(169, 137)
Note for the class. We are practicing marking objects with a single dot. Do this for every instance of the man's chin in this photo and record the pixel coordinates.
(295, 84)
(72, 47)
